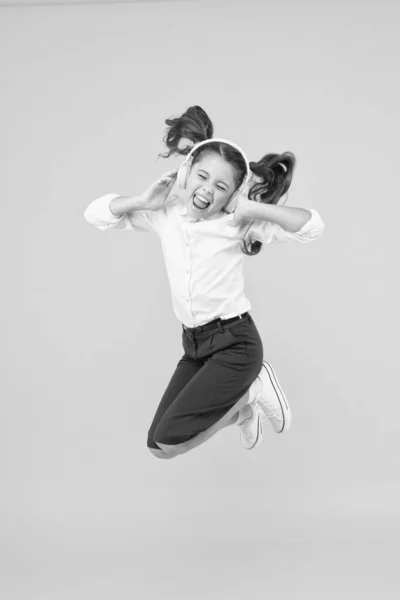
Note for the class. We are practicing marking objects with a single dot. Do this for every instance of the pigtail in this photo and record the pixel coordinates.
(183, 132)
(275, 172)
(251, 248)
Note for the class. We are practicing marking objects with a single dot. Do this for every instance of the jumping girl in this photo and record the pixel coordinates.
(224, 207)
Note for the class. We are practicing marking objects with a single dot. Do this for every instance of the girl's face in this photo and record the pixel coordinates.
(210, 184)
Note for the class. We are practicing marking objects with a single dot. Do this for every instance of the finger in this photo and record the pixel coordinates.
(167, 179)
(170, 174)
(170, 184)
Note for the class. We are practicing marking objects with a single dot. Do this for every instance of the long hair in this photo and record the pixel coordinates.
(273, 171)
(276, 173)
(194, 125)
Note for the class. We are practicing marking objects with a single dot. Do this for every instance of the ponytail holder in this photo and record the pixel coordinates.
(185, 143)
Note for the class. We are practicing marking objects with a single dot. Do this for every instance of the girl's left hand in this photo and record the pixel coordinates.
(240, 211)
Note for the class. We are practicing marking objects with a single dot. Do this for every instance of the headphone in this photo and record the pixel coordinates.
(185, 166)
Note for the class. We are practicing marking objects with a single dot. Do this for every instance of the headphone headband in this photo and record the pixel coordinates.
(189, 157)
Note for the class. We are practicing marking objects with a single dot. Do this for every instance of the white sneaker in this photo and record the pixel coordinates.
(271, 400)
(250, 423)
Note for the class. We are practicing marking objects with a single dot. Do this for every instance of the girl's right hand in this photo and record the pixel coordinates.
(157, 194)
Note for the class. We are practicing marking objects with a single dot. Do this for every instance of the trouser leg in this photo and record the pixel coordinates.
(211, 394)
(186, 369)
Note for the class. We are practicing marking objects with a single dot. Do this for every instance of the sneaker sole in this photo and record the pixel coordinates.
(287, 413)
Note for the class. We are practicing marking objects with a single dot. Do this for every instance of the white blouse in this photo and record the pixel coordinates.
(203, 258)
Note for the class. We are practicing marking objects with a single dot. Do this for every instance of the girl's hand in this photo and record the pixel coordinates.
(157, 194)
(241, 209)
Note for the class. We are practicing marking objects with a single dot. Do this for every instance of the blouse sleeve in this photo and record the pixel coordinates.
(99, 214)
(270, 233)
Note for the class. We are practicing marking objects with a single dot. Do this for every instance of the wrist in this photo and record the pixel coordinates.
(250, 210)
(124, 204)
(141, 202)
(260, 211)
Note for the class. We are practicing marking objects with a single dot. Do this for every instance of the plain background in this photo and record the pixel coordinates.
(90, 340)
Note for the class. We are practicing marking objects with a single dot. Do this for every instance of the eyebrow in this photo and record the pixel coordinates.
(219, 180)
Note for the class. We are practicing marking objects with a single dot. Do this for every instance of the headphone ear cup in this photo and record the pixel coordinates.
(182, 176)
(230, 207)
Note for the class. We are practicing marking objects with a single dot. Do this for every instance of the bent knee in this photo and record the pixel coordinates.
(158, 453)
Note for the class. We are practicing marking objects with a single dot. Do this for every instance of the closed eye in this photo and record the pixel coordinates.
(218, 186)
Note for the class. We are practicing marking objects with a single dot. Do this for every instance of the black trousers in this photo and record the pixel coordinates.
(218, 367)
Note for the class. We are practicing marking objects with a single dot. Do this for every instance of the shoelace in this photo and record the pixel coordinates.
(269, 411)
(248, 423)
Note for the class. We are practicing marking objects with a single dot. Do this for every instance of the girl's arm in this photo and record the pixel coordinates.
(133, 212)
(124, 204)
(289, 218)
(270, 223)
(100, 214)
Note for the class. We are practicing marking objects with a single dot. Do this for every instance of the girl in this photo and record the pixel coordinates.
(224, 208)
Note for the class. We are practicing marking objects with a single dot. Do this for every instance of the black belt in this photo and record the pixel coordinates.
(214, 323)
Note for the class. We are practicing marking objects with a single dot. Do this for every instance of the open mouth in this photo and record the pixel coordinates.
(199, 203)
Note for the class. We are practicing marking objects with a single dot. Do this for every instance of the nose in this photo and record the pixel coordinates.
(205, 191)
